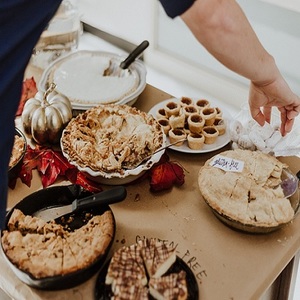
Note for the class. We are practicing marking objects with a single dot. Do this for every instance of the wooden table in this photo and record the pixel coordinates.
(227, 264)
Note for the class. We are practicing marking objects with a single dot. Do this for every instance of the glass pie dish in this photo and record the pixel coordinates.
(290, 186)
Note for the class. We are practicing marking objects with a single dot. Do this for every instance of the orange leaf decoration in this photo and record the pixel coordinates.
(29, 90)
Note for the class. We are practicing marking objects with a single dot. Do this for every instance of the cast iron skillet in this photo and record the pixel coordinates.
(48, 197)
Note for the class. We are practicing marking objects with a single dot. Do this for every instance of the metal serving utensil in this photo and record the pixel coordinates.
(121, 70)
(290, 182)
(158, 150)
(107, 197)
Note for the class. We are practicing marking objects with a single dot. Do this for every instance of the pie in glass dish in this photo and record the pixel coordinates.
(244, 187)
(112, 140)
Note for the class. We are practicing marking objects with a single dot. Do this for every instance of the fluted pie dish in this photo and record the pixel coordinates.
(112, 143)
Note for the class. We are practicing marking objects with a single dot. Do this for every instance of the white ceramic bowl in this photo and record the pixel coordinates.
(137, 67)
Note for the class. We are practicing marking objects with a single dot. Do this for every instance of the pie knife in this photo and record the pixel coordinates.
(113, 195)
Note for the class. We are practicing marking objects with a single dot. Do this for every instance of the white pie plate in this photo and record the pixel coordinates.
(129, 99)
(116, 178)
(220, 142)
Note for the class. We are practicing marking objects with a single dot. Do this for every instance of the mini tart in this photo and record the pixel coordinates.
(219, 123)
(176, 135)
(202, 103)
(219, 112)
(195, 141)
(172, 108)
(189, 110)
(161, 113)
(186, 101)
(209, 114)
(177, 121)
(195, 123)
(210, 133)
(165, 124)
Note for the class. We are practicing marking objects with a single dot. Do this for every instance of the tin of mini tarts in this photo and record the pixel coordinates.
(177, 134)
(220, 124)
(186, 101)
(161, 113)
(177, 121)
(190, 109)
(210, 133)
(196, 123)
(202, 103)
(165, 124)
(195, 141)
(172, 108)
(208, 114)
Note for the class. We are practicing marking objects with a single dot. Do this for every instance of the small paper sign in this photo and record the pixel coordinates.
(227, 164)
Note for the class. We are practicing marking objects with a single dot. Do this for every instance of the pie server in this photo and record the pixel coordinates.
(118, 70)
(107, 197)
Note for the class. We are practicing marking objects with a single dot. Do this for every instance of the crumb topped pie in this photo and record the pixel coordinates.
(110, 138)
(253, 195)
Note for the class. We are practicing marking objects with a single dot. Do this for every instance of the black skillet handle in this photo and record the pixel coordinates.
(113, 195)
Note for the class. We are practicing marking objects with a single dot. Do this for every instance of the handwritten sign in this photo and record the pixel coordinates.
(227, 164)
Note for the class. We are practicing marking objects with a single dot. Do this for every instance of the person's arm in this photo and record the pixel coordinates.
(223, 29)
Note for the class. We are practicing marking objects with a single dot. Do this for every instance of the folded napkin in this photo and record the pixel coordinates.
(248, 134)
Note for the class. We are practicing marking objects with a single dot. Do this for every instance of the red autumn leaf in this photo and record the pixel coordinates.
(29, 90)
(87, 184)
(51, 164)
(31, 161)
(164, 175)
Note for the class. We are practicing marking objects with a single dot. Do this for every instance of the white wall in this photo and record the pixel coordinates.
(174, 51)
(127, 19)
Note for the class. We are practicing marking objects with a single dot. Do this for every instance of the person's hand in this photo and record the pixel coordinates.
(262, 97)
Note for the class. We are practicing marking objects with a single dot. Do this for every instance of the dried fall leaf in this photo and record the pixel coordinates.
(165, 174)
(29, 90)
(51, 164)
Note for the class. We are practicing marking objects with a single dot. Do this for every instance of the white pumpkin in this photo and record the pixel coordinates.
(45, 116)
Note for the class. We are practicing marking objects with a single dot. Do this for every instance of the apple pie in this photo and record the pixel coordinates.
(48, 249)
(251, 195)
(110, 138)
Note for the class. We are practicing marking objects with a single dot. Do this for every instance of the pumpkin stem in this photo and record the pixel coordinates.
(48, 92)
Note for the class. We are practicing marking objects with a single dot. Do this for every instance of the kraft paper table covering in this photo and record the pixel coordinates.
(227, 264)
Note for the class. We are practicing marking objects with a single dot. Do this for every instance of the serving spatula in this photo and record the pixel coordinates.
(113, 195)
(119, 70)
